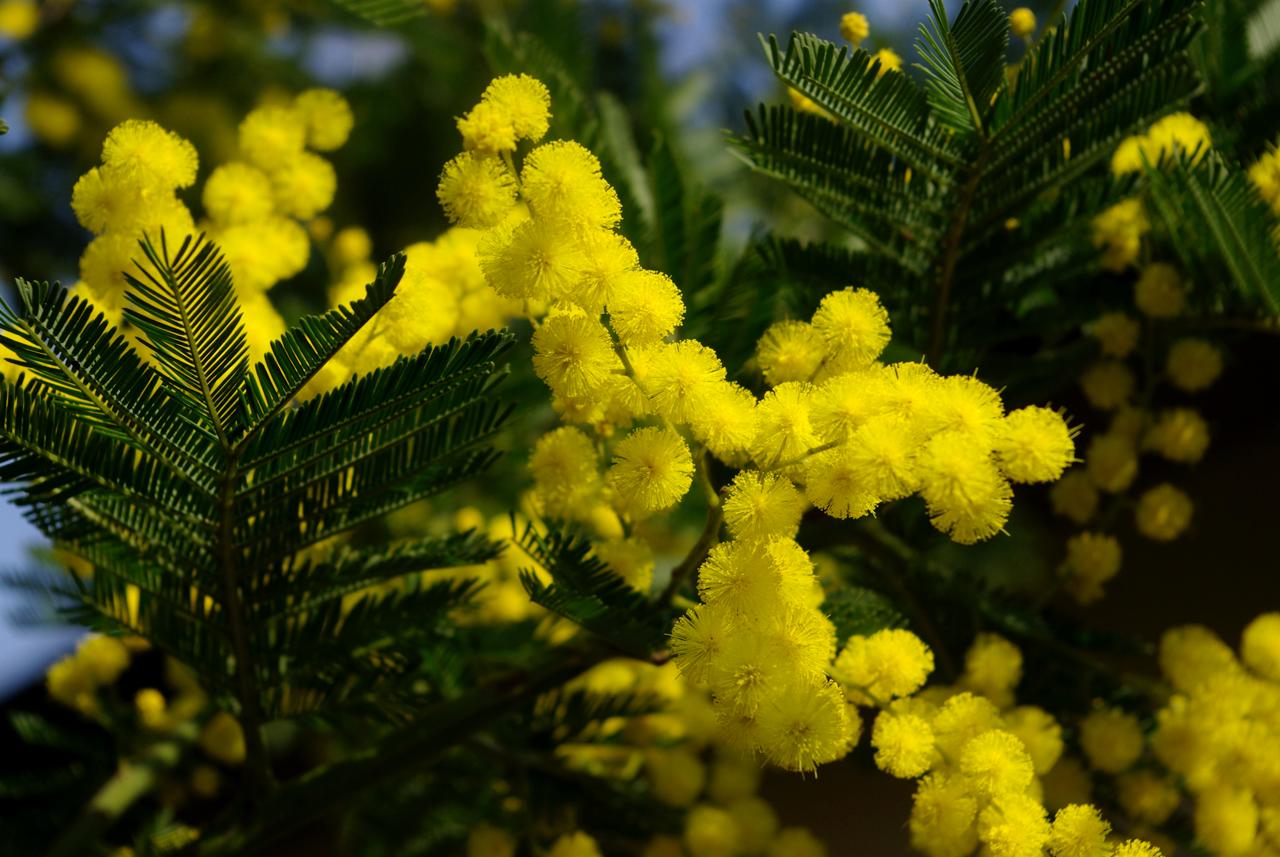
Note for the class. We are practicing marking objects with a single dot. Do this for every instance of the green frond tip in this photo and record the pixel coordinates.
(964, 61)
(303, 350)
(186, 307)
(385, 13)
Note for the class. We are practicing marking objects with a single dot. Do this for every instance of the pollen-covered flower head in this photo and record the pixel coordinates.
(882, 453)
(790, 351)
(564, 468)
(855, 326)
(726, 421)
(1111, 462)
(237, 192)
(326, 116)
(652, 469)
(1179, 434)
(1117, 334)
(679, 378)
(903, 743)
(784, 431)
(854, 27)
(272, 135)
(759, 505)
(531, 260)
(697, 639)
(1013, 825)
(995, 763)
(487, 128)
(1074, 496)
(967, 497)
(943, 815)
(843, 402)
(561, 181)
(644, 307)
(1022, 22)
(1260, 645)
(754, 576)
(965, 405)
(573, 353)
(143, 152)
(1039, 733)
(837, 482)
(1107, 384)
(525, 101)
(888, 664)
(476, 190)
(1092, 560)
(992, 667)
(806, 725)
(607, 256)
(1163, 513)
(304, 186)
(1193, 364)
(1034, 444)
(1111, 739)
(1079, 830)
(1160, 292)
(1118, 231)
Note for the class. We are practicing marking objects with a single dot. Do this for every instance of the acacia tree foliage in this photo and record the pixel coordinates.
(200, 481)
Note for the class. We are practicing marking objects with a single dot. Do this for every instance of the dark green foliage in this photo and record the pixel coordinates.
(931, 181)
(195, 481)
(385, 13)
(858, 611)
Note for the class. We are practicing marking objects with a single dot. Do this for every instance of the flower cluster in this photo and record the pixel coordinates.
(1174, 135)
(1177, 434)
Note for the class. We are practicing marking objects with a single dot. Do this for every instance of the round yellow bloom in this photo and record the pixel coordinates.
(485, 840)
(995, 763)
(888, 59)
(881, 456)
(854, 27)
(943, 813)
(759, 505)
(992, 667)
(326, 116)
(1039, 733)
(1136, 848)
(966, 496)
(679, 378)
(1118, 231)
(102, 658)
(961, 718)
(237, 193)
(573, 353)
(607, 256)
(845, 401)
(1147, 797)
(790, 351)
(149, 155)
(1133, 155)
(1180, 434)
(1193, 365)
(1226, 820)
(754, 577)
(564, 467)
(304, 185)
(577, 844)
(1260, 646)
(1079, 830)
(757, 823)
(1014, 825)
(1074, 496)
(1192, 654)
(1112, 462)
(351, 245)
(888, 664)
(834, 482)
(53, 119)
(806, 725)
(1180, 133)
(1092, 560)
(711, 831)
(651, 471)
(733, 776)
(272, 135)
(1022, 22)
(1265, 176)
(796, 842)
(476, 190)
(1034, 444)
(533, 260)
(1159, 292)
(19, 18)
(1107, 384)
(784, 432)
(1111, 740)
(855, 326)
(525, 102)
(697, 639)
(644, 307)
(963, 405)
(487, 128)
(903, 744)
(561, 181)
(1163, 513)
(726, 421)
(630, 559)
(676, 776)
(1117, 334)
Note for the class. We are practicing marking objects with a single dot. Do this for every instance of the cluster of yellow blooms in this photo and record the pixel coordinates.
(853, 432)
(680, 755)
(1177, 434)
(1265, 176)
(854, 29)
(85, 679)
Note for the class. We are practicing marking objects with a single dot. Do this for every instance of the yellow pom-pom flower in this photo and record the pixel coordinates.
(992, 667)
(304, 185)
(855, 326)
(1159, 292)
(525, 101)
(854, 27)
(487, 127)
(644, 307)
(1107, 384)
(796, 842)
(562, 181)
(1112, 462)
(271, 136)
(806, 725)
(533, 260)
(1074, 496)
(1118, 232)
(790, 351)
(995, 763)
(222, 739)
(102, 658)
(326, 115)
(476, 190)
(834, 482)
(679, 378)
(146, 153)
(784, 432)
(1147, 797)
(711, 831)
(1136, 848)
(1034, 444)
(888, 664)
(903, 743)
(1117, 334)
(1111, 740)
(576, 844)
(1226, 820)
(759, 505)
(889, 60)
(1092, 560)
(1039, 733)
(1265, 176)
(1180, 434)
(966, 496)
(564, 465)
(573, 353)
(1022, 22)
(1260, 646)
(651, 471)
(1163, 513)
(755, 577)
(943, 815)
(1079, 830)
(726, 421)
(697, 639)
(238, 193)
(1014, 825)
(1193, 364)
